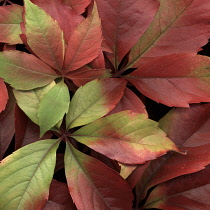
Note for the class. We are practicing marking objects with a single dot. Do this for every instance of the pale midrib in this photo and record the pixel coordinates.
(38, 165)
(48, 44)
(156, 40)
(89, 179)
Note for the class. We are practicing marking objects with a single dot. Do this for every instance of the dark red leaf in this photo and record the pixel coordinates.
(174, 80)
(7, 127)
(191, 191)
(123, 23)
(3, 95)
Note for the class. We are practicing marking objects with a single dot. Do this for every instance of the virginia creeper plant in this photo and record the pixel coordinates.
(104, 104)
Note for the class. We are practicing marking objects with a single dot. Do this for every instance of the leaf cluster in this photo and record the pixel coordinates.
(80, 84)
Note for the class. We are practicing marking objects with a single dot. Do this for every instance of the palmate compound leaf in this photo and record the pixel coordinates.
(25, 176)
(174, 80)
(93, 185)
(123, 23)
(29, 100)
(84, 44)
(53, 106)
(190, 191)
(94, 100)
(44, 35)
(127, 137)
(24, 71)
(188, 128)
(10, 19)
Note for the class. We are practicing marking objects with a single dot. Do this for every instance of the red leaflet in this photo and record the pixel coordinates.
(59, 197)
(93, 185)
(63, 14)
(85, 43)
(10, 18)
(123, 23)
(186, 192)
(129, 101)
(183, 28)
(189, 128)
(3, 95)
(84, 75)
(78, 5)
(7, 124)
(174, 80)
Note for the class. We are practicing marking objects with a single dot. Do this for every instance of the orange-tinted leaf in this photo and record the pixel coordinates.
(10, 18)
(191, 191)
(123, 23)
(174, 80)
(93, 185)
(85, 43)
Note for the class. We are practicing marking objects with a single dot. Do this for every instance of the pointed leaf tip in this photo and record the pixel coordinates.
(127, 137)
(93, 185)
(44, 35)
(53, 106)
(37, 162)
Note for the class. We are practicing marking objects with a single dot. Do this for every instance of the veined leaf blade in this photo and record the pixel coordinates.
(30, 192)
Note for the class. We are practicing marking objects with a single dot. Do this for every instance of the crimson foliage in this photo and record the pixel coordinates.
(81, 86)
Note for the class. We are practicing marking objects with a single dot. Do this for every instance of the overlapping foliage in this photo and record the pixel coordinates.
(75, 78)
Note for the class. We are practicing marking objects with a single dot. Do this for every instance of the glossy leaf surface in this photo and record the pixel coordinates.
(89, 188)
(94, 100)
(56, 101)
(10, 18)
(37, 162)
(17, 67)
(44, 35)
(127, 137)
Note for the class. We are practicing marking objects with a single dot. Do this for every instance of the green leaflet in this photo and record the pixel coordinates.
(53, 106)
(25, 176)
(45, 36)
(136, 138)
(29, 101)
(10, 19)
(25, 71)
(94, 100)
